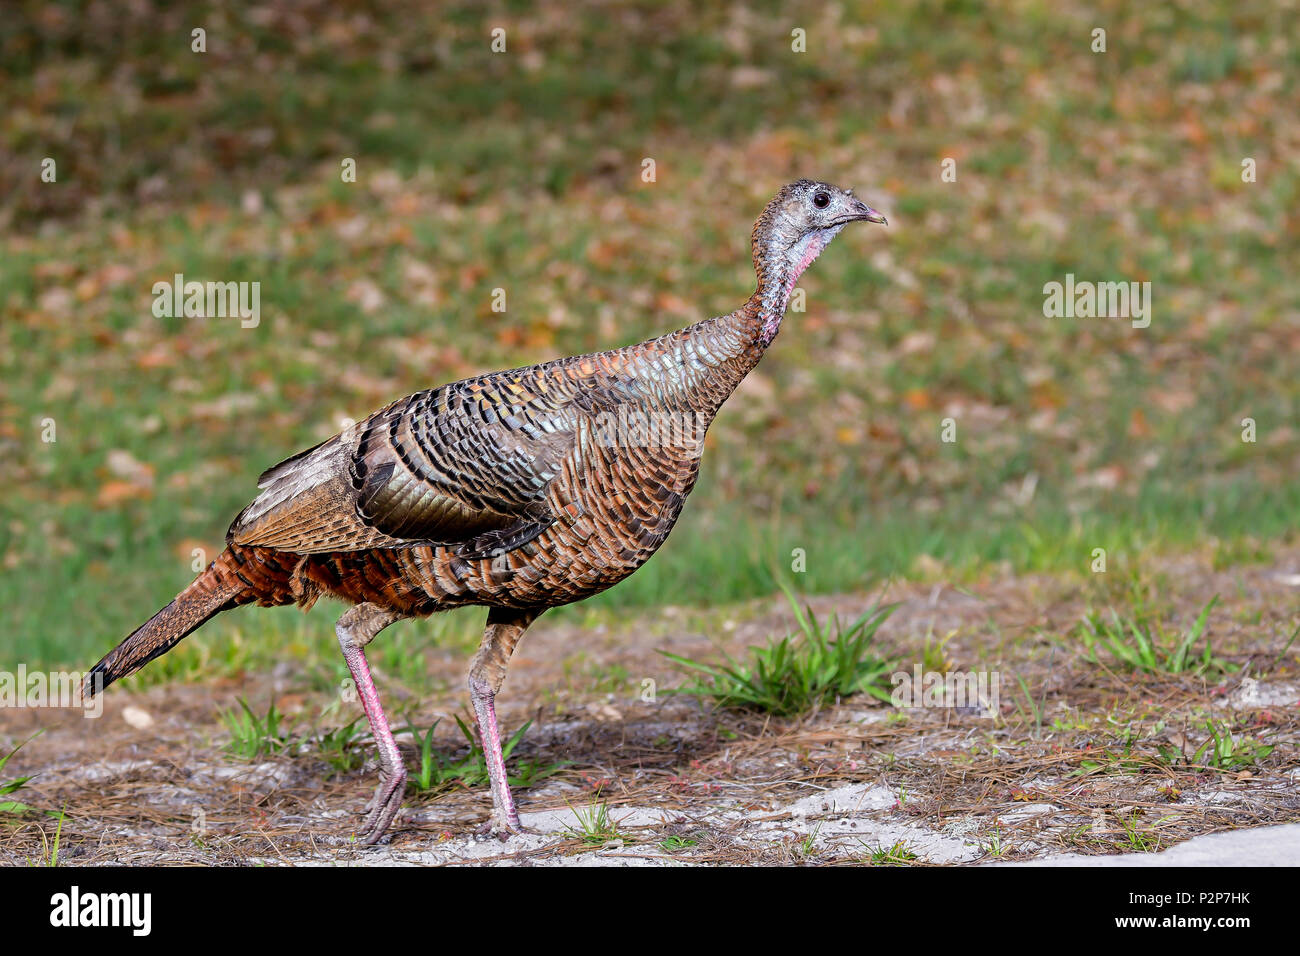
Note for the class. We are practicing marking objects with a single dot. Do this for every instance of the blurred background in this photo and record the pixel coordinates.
(522, 170)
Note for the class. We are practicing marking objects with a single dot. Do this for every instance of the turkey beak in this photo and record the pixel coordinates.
(864, 213)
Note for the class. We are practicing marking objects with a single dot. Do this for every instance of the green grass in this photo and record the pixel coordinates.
(799, 672)
(1137, 752)
(677, 844)
(1138, 644)
(898, 854)
(994, 846)
(342, 748)
(1137, 839)
(252, 736)
(1032, 712)
(9, 787)
(806, 849)
(50, 847)
(593, 825)
(436, 772)
(1221, 750)
(521, 171)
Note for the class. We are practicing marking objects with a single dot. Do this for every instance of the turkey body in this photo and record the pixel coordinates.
(532, 487)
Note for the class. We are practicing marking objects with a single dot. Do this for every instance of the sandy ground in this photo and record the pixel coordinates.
(1071, 766)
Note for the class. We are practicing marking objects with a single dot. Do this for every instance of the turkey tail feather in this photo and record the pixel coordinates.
(213, 591)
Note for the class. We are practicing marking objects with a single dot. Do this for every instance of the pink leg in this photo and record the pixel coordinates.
(355, 629)
(485, 711)
(486, 674)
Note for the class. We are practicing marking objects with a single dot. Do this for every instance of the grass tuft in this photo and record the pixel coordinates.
(436, 772)
(340, 748)
(1221, 750)
(7, 787)
(1138, 644)
(896, 855)
(799, 672)
(252, 736)
(594, 826)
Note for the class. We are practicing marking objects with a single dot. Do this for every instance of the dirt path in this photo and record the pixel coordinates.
(1092, 760)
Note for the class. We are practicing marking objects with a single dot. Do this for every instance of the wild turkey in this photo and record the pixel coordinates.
(519, 490)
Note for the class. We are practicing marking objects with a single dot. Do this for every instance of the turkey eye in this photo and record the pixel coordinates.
(821, 200)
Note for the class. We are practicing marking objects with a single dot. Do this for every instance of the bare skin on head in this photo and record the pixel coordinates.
(492, 491)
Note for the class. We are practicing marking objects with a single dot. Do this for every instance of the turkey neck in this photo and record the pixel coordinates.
(713, 357)
(705, 362)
